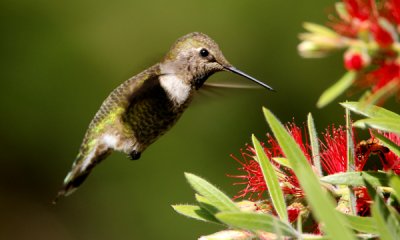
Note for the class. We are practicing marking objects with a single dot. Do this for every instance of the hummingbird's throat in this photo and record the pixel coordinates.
(198, 82)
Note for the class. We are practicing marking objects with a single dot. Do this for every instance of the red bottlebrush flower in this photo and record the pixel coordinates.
(387, 72)
(253, 177)
(381, 36)
(359, 9)
(392, 12)
(302, 142)
(371, 27)
(364, 15)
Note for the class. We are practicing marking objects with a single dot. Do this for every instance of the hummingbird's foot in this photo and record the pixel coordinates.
(134, 155)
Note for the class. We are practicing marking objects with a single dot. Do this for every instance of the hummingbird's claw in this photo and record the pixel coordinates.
(134, 155)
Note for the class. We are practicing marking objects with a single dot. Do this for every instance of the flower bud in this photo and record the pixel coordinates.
(356, 60)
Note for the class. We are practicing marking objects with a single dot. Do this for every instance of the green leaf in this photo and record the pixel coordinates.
(322, 204)
(361, 224)
(271, 180)
(255, 222)
(379, 96)
(384, 124)
(370, 111)
(217, 198)
(351, 166)
(388, 143)
(350, 144)
(206, 204)
(357, 178)
(195, 212)
(395, 184)
(314, 144)
(336, 89)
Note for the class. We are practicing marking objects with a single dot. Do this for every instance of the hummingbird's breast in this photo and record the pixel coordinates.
(153, 113)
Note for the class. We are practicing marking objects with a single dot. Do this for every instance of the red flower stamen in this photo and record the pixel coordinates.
(334, 150)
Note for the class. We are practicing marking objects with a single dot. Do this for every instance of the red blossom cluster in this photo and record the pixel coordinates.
(368, 30)
(333, 157)
(374, 27)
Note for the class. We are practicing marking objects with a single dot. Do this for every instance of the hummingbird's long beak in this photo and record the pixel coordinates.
(238, 72)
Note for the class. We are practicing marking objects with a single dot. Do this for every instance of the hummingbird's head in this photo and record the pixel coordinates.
(195, 57)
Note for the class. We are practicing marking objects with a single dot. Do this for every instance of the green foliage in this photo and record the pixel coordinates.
(383, 124)
(321, 204)
(314, 144)
(378, 118)
(336, 89)
(215, 197)
(370, 111)
(215, 207)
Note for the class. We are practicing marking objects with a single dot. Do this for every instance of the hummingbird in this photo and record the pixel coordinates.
(146, 106)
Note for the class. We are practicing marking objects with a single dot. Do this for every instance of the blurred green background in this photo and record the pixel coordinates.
(60, 59)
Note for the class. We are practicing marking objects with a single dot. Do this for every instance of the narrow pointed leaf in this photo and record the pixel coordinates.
(255, 222)
(314, 144)
(361, 224)
(351, 166)
(195, 212)
(388, 143)
(350, 145)
(381, 95)
(206, 204)
(322, 204)
(271, 180)
(217, 198)
(370, 111)
(384, 124)
(357, 178)
(336, 89)
(395, 184)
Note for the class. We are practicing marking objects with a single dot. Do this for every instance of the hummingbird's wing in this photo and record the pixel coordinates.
(107, 122)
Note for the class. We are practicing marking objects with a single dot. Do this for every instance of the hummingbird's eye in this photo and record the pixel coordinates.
(204, 52)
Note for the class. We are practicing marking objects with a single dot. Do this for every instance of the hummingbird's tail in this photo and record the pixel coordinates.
(81, 168)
